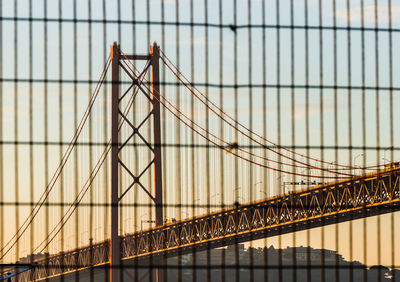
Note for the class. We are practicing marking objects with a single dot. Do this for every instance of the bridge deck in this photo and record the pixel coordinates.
(326, 204)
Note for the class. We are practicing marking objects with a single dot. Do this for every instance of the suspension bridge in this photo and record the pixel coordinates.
(343, 196)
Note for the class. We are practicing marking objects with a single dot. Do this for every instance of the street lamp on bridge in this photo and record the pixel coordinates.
(354, 163)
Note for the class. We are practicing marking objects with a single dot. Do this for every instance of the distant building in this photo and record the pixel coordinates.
(33, 257)
(314, 255)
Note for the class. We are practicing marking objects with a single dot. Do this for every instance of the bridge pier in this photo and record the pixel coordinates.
(115, 242)
(115, 245)
(155, 59)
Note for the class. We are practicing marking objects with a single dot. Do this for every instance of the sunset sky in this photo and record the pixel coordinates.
(79, 52)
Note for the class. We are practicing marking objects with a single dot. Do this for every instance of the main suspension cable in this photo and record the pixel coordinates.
(225, 148)
(28, 221)
(344, 167)
(71, 209)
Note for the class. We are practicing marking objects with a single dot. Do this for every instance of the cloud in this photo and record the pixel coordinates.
(167, 2)
(199, 41)
(369, 14)
(9, 112)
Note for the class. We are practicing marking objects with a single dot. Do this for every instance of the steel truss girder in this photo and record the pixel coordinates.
(332, 203)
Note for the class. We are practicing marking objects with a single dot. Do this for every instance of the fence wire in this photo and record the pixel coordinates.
(279, 140)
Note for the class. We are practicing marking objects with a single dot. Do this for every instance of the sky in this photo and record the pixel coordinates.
(68, 52)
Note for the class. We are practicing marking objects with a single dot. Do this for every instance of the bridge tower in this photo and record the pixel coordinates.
(117, 145)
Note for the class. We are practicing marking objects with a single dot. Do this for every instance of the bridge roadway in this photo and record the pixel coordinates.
(359, 197)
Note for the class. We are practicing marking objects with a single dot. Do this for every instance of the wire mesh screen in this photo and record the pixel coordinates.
(168, 140)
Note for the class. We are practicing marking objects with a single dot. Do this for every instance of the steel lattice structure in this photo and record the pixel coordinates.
(331, 203)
